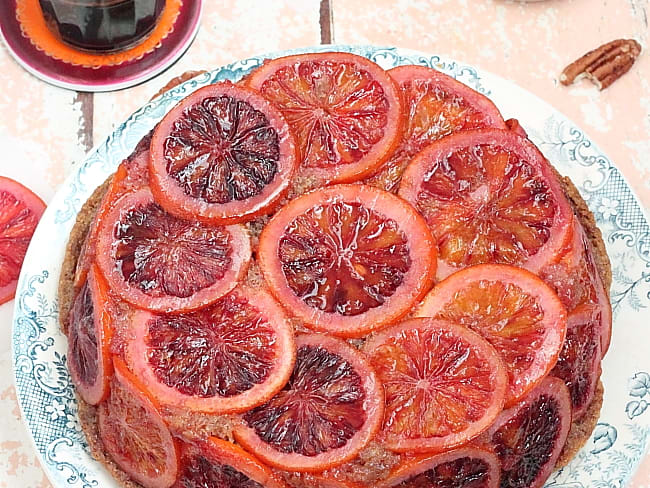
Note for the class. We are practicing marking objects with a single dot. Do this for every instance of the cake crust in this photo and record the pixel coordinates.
(578, 435)
(76, 241)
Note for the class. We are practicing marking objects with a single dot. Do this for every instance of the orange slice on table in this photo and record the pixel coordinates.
(20, 211)
(343, 109)
(514, 310)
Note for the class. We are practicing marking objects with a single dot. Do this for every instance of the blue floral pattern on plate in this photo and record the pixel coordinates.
(618, 443)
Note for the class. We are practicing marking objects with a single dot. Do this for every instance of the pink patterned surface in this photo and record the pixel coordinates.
(527, 43)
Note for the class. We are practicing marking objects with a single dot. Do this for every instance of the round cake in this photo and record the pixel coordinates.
(331, 275)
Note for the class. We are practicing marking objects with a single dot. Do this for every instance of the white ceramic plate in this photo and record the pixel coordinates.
(611, 455)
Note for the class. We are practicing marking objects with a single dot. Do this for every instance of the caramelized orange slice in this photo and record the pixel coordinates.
(444, 384)
(347, 259)
(489, 196)
(343, 109)
(514, 310)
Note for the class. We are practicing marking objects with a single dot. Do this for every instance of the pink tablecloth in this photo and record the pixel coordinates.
(527, 43)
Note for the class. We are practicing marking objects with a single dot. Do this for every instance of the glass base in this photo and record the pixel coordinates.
(101, 26)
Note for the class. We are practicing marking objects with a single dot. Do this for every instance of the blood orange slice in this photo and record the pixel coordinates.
(133, 432)
(228, 357)
(466, 467)
(89, 335)
(529, 437)
(160, 262)
(20, 211)
(328, 411)
(514, 310)
(436, 105)
(220, 464)
(489, 196)
(576, 280)
(222, 155)
(579, 361)
(344, 110)
(347, 259)
(130, 175)
(88, 249)
(444, 384)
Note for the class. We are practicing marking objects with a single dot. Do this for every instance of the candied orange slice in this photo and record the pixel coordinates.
(329, 410)
(513, 309)
(347, 259)
(444, 384)
(228, 357)
(216, 463)
(222, 155)
(435, 106)
(134, 434)
(489, 196)
(467, 467)
(89, 336)
(160, 262)
(343, 109)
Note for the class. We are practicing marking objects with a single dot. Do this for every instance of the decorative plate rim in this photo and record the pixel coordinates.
(565, 140)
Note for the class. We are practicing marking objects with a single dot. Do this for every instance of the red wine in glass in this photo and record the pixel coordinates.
(102, 25)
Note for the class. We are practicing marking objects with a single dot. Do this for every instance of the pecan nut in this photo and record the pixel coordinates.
(604, 65)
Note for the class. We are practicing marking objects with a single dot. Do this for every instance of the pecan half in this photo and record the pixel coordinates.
(604, 65)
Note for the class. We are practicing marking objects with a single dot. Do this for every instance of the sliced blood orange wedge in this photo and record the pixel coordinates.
(223, 155)
(489, 196)
(528, 438)
(514, 310)
(343, 109)
(20, 211)
(329, 410)
(216, 463)
(579, 361)
(228, 357)
(347, 259)
(576, 280)
(133, 432)
(163, 263)
(89, 335)
(466, 467)
(444, 384)
(436, 105)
